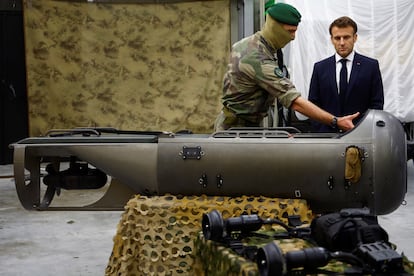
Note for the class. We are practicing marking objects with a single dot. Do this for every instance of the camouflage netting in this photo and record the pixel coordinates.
(162, 236)
(125, 64)
(214, 259)
(156, 235)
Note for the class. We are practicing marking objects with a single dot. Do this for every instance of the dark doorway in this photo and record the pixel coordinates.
(13, 92)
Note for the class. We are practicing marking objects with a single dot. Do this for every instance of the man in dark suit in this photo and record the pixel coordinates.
(346, 82)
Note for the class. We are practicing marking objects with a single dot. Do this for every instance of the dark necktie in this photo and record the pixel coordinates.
(343, 83)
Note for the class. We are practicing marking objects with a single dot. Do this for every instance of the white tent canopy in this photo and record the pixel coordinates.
(385, 32)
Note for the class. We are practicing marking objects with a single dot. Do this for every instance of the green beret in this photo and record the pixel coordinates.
(269, 3)
(284, 13)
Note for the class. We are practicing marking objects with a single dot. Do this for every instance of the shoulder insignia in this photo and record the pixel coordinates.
(279, 72)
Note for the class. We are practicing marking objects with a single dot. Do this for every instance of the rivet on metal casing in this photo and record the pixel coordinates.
(203, 180)
(380, 123)
(219, 180)
(330, 182)
(347, 184)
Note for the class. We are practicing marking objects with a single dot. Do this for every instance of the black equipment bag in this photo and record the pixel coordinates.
(347, 229)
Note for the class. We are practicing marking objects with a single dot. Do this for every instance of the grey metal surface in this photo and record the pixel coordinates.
(238, 162)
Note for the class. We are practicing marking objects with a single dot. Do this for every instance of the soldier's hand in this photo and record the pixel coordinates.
(345, 123)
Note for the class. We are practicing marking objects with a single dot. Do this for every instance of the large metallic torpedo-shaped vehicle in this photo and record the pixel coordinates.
(364, 167)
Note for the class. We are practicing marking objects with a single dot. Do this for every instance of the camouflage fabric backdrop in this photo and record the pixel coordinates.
(126, 65)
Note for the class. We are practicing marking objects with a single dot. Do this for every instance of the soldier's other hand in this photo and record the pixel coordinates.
(345, 123)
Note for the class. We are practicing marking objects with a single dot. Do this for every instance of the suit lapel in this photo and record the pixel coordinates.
(333, 86)
(356, 67)
(332, 74)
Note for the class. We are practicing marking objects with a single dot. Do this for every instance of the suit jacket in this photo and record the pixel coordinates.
(365, 90)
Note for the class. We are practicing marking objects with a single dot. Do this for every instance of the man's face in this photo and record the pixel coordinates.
(291, 29)
(343, 40)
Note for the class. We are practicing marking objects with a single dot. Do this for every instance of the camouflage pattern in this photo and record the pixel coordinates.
(156, 235)
(161, 235)
(252, 83)
(125, 64)
(215, 259)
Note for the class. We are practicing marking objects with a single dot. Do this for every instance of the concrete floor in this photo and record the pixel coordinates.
(52, 242)
(80, 242)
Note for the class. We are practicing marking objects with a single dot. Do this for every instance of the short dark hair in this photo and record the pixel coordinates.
(343, 22)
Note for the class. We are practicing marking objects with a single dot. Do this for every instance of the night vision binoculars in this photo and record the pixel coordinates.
(215, 228)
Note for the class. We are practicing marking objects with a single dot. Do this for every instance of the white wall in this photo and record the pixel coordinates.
(385, 32)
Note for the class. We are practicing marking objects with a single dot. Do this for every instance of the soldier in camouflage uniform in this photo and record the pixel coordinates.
(254, 79)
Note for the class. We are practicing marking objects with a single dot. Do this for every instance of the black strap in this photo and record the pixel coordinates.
(279, 55)
(282, 120)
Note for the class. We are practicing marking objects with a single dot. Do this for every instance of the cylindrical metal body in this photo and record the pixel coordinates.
(270, 163)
